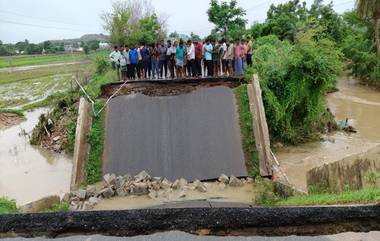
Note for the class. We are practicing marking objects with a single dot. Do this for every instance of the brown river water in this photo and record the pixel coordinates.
(28, 173)
(361, 105)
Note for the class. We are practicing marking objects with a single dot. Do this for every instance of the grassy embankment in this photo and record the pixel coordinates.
(96, 135)
(246, 127)
(23, 60)
(265, 196)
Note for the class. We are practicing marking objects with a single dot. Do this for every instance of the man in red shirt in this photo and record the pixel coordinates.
(198, 57)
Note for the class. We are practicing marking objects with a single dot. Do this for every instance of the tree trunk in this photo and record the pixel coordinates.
(377, 37)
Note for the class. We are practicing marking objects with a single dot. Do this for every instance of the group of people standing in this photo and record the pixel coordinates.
(182, 59)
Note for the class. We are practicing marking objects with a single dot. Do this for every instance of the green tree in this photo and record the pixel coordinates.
(284, 20)
(146, 31)
(194, 36)
(61, 47)
(227, 17)
(47, 45)
(93, 44)
(132, 21)
(174, 35)
(371, 9)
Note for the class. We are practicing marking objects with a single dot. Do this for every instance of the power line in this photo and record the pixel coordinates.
(42, 26)
(42, 19)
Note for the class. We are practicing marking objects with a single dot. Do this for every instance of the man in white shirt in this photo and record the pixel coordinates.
(224, 57)
(191, 57)
(115, 57)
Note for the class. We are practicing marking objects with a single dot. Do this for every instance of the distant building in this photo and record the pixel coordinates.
(103, 45)
(72, 47)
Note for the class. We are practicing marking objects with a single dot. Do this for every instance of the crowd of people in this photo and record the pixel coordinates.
(182, 59)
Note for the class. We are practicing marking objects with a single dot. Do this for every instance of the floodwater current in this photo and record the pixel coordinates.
(27, 172)
(361, 105)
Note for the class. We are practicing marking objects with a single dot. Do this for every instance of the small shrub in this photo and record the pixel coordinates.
(7, 206)
(265, 195)
(102, 64)
(59, 207)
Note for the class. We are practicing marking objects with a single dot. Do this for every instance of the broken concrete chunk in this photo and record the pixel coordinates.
(142, 176)
(81, 194)
(155, 185)
(179, 184)
(119, 182)
(87, 206)
(249, 180)
(93, 201)
(128, 178)
(121, 192)
(109, 179)
(199, 186)
(152, 194)
(140, 188)
(166, 184)
(223, 179)
(106, 192)
(235, 182)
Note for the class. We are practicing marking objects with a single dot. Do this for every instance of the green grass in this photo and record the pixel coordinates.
(58, 207)
(7, 206)
(246, 127)
(93, 88)
(363, 196)
(17, 112)
(19, 76)
(96, 141)
(48, 101)
(23, 60)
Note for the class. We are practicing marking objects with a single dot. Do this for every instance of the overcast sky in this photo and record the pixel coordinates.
(39, 20)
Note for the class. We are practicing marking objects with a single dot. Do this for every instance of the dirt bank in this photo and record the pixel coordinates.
(9, 119)
(168, 87)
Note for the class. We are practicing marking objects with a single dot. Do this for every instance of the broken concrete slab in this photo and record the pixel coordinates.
(194, 136)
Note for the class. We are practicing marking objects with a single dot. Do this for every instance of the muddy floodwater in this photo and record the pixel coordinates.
(361, 105)
(28, 173)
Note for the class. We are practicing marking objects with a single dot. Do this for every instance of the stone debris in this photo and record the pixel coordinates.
(157, 188)
(199, 186)
(224, 179)
(235, 182)
(109, 179)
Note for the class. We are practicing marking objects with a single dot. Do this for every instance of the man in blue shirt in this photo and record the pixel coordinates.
(133, 58)
(208, 58)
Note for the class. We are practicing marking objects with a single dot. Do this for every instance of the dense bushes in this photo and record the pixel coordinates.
(294, 79)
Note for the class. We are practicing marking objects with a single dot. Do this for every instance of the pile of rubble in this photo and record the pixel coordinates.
(143, 184)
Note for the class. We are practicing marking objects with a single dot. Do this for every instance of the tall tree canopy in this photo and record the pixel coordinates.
(133, 21)
(371, 9)
(228, 18)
